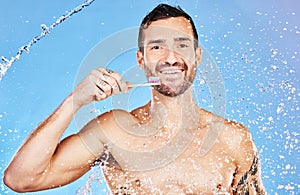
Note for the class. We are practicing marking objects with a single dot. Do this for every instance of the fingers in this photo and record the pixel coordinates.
(115, 80)
(100, 95)
(98, 85)
(107, 82)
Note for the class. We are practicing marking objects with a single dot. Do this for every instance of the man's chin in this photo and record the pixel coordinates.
(170, 92)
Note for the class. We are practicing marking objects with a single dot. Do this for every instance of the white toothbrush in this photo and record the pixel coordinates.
(152, 81)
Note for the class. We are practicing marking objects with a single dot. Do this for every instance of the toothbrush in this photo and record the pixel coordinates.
(152, 81)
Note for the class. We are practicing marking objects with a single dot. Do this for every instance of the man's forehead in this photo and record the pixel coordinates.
(174, 26)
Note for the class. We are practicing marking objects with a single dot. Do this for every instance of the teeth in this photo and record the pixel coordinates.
(170, 71)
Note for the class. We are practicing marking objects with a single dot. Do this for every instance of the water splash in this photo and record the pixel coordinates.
(7, 63)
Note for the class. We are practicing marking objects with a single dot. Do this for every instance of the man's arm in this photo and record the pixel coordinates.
(247, 179)
(251, 182)
(43, 162)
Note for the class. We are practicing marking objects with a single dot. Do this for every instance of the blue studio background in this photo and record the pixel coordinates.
(255, 45)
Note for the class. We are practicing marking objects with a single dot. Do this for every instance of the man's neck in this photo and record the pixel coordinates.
(173, 110)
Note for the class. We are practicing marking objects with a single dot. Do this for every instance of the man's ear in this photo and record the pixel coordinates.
(140, 59)
(198, 55)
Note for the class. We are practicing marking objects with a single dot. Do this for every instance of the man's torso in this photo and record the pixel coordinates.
(186, 172)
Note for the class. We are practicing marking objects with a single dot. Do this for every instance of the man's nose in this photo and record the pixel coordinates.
(171, 57)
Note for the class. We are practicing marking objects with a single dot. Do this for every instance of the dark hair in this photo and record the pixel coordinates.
(164, 11)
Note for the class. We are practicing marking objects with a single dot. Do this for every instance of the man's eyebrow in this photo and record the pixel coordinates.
(156, 41)
(177, 39)
(182, 39)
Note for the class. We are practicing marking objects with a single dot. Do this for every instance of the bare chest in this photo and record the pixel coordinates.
(152, 166)
(187, 174)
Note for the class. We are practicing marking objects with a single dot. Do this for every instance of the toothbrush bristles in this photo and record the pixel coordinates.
(154, 80)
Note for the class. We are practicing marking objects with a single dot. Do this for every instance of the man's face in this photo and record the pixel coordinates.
(169, 54)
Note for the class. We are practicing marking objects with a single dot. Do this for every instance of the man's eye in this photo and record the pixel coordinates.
(182, 45)
(155, 47)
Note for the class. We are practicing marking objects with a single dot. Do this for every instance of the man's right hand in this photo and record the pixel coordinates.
(98, 85)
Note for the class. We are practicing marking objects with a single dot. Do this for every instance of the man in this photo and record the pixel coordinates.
(154, 149)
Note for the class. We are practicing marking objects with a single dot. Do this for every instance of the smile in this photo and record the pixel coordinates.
(171, 71)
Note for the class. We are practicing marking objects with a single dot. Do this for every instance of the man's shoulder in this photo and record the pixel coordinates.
(105, 120)
(238, 138)
(228, 124)
(230, 131)
(113, 116)
(114, 112)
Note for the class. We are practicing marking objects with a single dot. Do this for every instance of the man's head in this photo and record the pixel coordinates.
(164, 11)
(168, 49)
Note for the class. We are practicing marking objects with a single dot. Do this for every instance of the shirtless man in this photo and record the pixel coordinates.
(154, 149)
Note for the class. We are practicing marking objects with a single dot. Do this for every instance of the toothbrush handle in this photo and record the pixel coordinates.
(143, 85)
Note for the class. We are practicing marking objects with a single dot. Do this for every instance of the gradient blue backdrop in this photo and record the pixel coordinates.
(255, 44)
